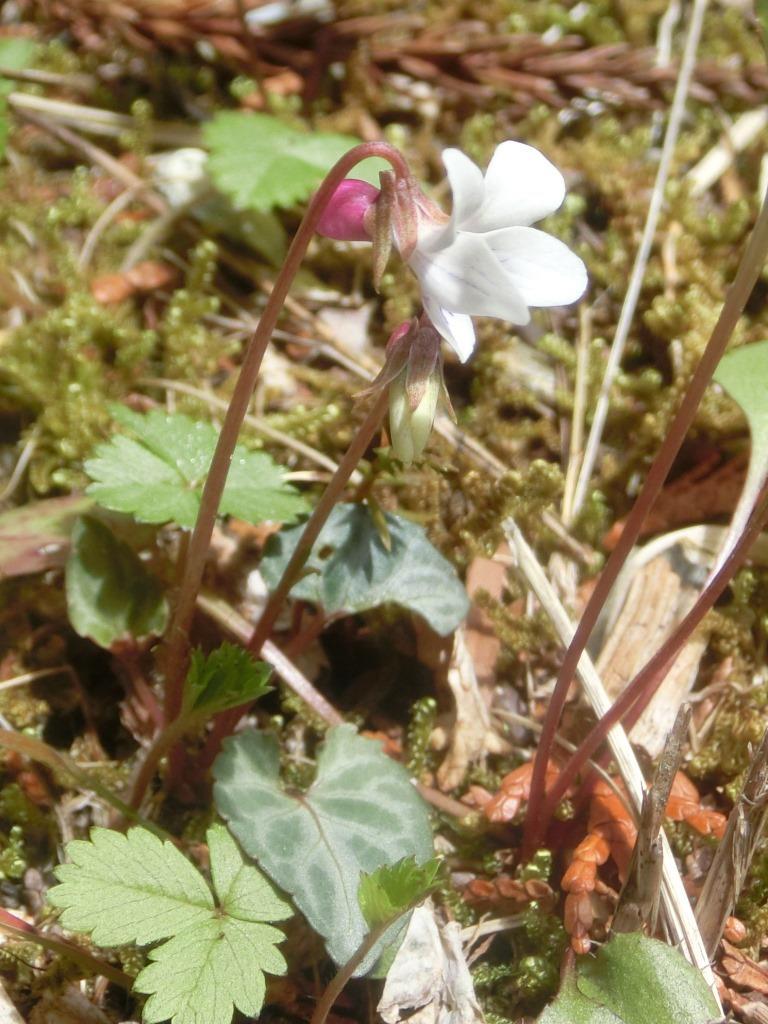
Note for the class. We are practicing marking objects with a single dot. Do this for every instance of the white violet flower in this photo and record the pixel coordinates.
(487, 260)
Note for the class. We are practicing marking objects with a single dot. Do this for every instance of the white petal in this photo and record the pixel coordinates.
(521, 186)
(465, 277)
(543, 269)
(456, 328)
(467, 185)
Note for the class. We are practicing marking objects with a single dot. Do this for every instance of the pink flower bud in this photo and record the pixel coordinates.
(344, 218)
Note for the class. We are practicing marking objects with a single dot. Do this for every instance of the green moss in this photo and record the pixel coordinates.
(422, 722)
(64, 369)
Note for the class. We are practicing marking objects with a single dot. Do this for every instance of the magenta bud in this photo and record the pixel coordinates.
(344, 218)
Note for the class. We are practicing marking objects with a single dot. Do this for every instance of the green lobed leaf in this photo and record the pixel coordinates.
(260, 162)
(634, 980)
(129, 888)
(354, 571)
(225, 678)
(159, 477)
(361, 812)
(392, 889)
(136, 888)
(110, 595)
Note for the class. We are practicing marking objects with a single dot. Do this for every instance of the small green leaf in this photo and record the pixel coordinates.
(390, 890)
(744, 375)
(225, 678)
(761, 10)
(634, 980)
(361, 812)
(110, 595)
(16, 53)
(160, 476)
(261, 162)
(353, 570)
(572, 1007)
(134, 888)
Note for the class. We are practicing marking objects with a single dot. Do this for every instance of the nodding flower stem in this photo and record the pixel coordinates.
(227, 720)
(634, 699)
(174, 654)
(749, 270)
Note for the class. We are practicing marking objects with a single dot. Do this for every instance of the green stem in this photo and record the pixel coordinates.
(748, 272)
(227, 720)
(337, 984)
(174, 655)
(149, 764)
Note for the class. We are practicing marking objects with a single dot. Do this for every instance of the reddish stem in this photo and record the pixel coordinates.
(639, 692)
(174, 656)
(749, 270)
(227, 720)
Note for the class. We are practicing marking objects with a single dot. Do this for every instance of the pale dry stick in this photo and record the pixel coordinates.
(664, 39)
(99, 156)
(728, 871)
(576, 440)
(254, 422)
(742, 133)
(74, 80)
(23, 461)
(30, 677)
(97, 121)
(679, 918)
(676, 113)
(102, 222)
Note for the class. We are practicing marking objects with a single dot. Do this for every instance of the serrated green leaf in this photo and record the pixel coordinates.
(354, 571)
(261, 162)
(159, 477)
(634, 980)
(136, 888)
(129, 888)
(361, 812)
(110, 595)
(392, 889)
(224, 679)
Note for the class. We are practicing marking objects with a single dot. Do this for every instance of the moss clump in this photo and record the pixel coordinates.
(529, 975)
(739, 725)
(64, 368)
(422, 721)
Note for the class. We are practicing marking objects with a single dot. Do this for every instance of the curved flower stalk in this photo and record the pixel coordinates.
(483, 260)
